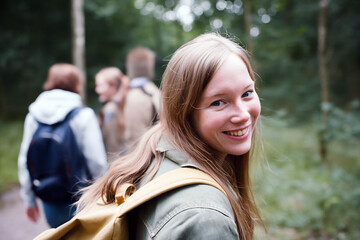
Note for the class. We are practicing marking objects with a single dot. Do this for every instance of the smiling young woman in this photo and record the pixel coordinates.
(227, 111)
(208, 114)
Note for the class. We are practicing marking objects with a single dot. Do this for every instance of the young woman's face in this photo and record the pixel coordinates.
(105, 91)
(226, 114)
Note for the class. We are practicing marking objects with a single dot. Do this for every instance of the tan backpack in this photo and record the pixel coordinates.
(108, 221)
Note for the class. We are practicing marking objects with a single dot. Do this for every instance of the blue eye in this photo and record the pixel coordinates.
(217, 103)
(247, 93)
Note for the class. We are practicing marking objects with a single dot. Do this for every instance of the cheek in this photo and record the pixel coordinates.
(100, 89)
(112, 91)
(97, 90)
(207, 123)
(199, 123)
(196, 119)
(255, 108)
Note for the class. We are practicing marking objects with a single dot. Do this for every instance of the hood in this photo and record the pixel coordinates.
(52, 106)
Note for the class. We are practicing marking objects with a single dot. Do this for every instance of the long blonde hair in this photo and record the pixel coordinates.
(188, 72)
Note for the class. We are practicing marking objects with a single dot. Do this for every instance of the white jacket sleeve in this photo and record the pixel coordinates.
(88, 134)
(26, 192)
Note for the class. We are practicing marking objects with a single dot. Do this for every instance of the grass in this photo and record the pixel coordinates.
(299, 196)
(10, 140)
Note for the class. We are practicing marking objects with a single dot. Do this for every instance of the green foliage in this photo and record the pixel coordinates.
(342, 125)
(10, 139)
(343, 54)
(286, 58)
(33, 36)
(36, 35)
(300, 195)
(286, 55)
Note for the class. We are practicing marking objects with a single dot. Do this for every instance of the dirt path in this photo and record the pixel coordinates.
(13, 223)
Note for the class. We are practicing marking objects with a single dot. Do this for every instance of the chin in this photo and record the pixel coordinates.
(239, 151)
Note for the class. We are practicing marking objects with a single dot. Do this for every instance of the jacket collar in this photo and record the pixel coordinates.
(169, 151)
(138, 82)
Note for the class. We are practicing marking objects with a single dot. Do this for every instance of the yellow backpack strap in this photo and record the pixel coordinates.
(108, 221)
(166, 182)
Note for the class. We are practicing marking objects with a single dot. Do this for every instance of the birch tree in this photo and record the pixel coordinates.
(78, 39)
(247, 18)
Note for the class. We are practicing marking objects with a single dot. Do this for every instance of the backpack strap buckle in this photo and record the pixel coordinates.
(123, 192)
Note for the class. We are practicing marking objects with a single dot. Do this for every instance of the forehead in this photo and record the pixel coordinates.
(233, 74)
(101, 80)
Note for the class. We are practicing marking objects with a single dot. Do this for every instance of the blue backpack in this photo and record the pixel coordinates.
(56, 165)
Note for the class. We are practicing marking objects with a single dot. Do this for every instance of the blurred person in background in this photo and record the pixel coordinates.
(61, 95)
(142, 101)
(112, 86)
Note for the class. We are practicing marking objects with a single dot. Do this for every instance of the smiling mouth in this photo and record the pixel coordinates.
(238, 133)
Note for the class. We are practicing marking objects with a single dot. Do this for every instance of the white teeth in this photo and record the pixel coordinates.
(238, 133)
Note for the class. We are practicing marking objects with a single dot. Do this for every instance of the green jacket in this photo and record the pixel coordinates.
(191, 212)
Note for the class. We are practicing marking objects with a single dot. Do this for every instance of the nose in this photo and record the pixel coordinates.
(240, 114)
(98, 90)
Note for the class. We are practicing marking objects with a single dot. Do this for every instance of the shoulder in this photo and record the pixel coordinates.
(148, 89)
(187, 212)
(85, 112)
(109, 107)
(30, 121)
(151, 88)
(83, 117)
(137, 98)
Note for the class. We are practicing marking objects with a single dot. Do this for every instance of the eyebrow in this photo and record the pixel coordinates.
(217, 94)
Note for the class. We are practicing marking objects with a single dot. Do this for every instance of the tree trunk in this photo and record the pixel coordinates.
(352, 79)
(78, 39)
(325, 104)
(3, 103)
(247, 18)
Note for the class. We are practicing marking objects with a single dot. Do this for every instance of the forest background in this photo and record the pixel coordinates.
(307, 58)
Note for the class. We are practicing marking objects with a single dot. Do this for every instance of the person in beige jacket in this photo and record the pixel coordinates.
(142, 100)
(111, 86)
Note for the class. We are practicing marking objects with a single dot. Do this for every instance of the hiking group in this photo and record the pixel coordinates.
(205, 117)
(65, 144)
